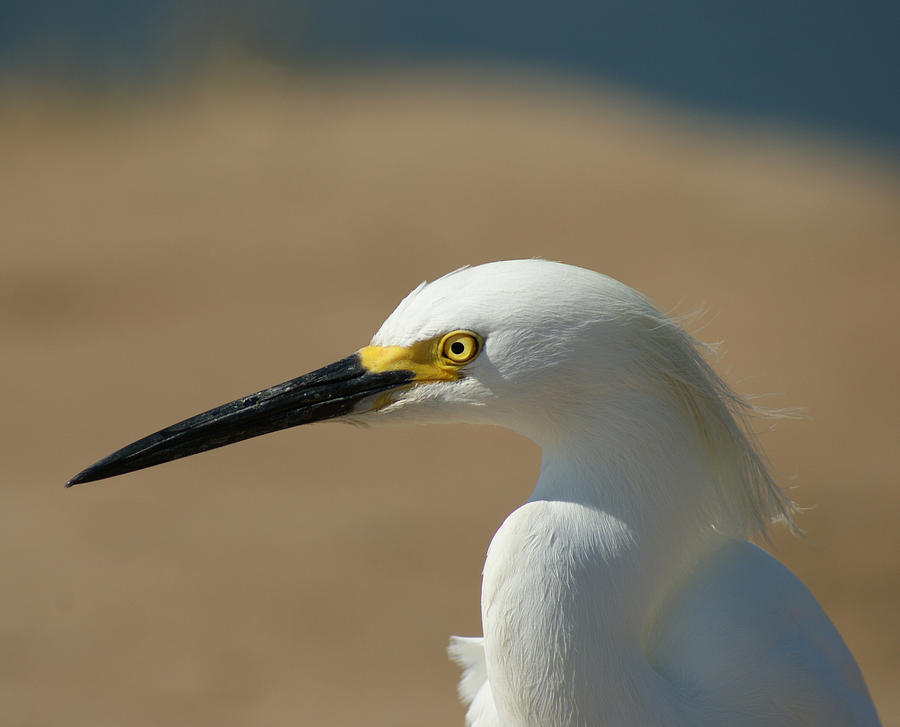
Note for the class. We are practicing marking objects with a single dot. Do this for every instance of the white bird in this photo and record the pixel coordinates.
(624, 591)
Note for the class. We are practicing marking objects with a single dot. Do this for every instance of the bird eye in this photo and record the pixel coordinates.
(460, 347)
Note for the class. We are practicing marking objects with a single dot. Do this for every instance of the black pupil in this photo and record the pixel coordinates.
(457, 347)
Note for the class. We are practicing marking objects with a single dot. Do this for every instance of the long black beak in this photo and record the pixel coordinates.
(329, 392)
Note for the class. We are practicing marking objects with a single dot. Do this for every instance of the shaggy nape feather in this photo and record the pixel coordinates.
(751, 499)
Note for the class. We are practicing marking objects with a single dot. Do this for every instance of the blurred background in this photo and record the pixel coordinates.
(201, 199)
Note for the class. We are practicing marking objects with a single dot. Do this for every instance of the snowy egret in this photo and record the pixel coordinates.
(624, 591)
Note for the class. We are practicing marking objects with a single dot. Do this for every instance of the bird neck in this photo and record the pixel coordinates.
(656, 489)
(654, 481)
(641, 462)
(576, 577)
(639, 477)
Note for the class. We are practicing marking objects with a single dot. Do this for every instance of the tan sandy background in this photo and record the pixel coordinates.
(161, 253)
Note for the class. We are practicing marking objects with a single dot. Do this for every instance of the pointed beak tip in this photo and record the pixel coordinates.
(91, 474)
(78, 479)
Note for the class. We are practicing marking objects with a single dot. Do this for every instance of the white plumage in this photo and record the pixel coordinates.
(623, 592)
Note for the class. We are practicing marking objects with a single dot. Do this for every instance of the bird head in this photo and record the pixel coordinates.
(543, 348)
(513, 343)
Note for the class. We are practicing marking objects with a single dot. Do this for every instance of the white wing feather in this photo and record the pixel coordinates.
(474, 688)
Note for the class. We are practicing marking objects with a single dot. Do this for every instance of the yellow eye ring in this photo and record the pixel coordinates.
(460, 347)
